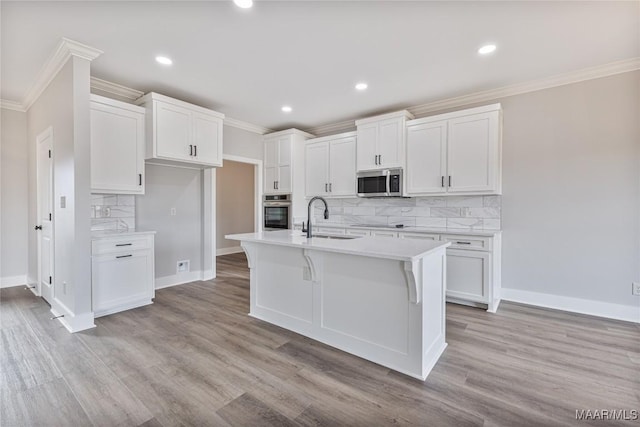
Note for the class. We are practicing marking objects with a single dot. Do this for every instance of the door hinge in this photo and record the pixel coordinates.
(49, 279)
(49, 153)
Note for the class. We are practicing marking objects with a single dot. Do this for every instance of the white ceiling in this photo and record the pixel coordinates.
(248, 63)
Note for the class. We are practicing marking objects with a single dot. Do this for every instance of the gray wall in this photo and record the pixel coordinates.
(64, 105)
(571, 200)
(239, 142)
(235, 201)
(178, 237)
(571, 189)
(14, 199)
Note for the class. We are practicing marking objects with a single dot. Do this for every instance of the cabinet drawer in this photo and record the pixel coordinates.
(329, 230)
(358, 232)
(383, 233)
(420, 236)
(468, 242)
(121, 244)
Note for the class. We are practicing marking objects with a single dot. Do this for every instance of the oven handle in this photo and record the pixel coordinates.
(276, 204)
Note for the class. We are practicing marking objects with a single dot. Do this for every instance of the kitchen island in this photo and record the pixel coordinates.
(380, 299)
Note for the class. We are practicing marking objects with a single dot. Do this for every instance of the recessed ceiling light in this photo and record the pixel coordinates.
(362, 86)
(164, 60)
(287, 109)
(244, 4)
(487, 49)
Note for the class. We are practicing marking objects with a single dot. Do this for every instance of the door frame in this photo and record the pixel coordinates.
(47, 133)
(210, 208)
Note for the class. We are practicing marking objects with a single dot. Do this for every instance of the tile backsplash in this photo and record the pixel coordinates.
(112, 212)
(464, 212)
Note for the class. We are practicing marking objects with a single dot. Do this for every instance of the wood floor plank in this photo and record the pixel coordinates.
(195, 357)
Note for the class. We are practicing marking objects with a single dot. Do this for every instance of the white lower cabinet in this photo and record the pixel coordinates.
(468, 275)
(122, 273)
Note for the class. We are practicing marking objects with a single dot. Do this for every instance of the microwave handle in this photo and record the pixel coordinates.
(388, 173)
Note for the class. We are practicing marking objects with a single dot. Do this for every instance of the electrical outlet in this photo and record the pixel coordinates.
(172, 212)
(183, 266)
(106, 211)
(64, 288)
(635, 289)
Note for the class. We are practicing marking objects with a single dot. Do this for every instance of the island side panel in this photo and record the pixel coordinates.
(434, 272)
(280, 294)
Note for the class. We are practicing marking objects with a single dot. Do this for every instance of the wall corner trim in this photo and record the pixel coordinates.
(65, 50)
(628, 313)
(12, 105)
(229, 121)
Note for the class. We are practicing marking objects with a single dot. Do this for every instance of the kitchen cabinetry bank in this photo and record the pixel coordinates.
(122, 271)
(180, 133)
(473, 259)
(380, 300)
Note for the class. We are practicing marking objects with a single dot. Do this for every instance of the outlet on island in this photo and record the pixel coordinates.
(635, 288)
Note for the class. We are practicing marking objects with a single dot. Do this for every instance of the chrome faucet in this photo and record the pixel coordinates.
(326, 214)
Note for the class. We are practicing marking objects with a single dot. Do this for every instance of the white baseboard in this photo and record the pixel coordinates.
(627, 313)
(178, 279)
(8, 282)
(73, 322)
(228, 251)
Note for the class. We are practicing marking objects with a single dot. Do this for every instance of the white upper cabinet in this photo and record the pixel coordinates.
(381, 141)
(284, 163)
(427, 158)
(181, 133)
(456, 152)
(331, 166)
(277, 164)
(117, 147)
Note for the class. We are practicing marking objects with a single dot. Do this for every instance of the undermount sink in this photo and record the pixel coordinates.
(334, 236)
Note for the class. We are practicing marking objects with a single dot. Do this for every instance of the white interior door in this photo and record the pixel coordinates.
(44, 221)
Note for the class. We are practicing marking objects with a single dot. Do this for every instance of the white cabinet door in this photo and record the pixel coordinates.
(270, 153)
(119, 280)
(316, 169)
(117, 149)
(284, 151)
(473, 142)
(173, 131)
(207, 139)
(468, 275)
(367, 147)
(342, 167)
(427, 158)
(390, 147)
(283, 183)
(270, 178)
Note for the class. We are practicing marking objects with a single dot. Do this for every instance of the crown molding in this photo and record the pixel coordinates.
(332, 128)
(292, 131)
(239, 124)
(612, 68)
(115, 89)
(65, 50)
(12, 105)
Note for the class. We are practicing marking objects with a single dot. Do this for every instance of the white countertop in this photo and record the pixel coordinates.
(396, 249)
(415, 229)
(104, 234)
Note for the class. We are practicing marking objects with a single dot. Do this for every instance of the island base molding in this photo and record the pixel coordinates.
(362, 305)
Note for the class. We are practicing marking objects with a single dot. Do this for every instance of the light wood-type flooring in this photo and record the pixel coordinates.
(194, 357)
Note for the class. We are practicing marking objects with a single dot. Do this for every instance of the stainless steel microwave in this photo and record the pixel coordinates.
(380, 183)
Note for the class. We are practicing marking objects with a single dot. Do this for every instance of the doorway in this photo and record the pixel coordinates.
(44, 212)
(238, 201)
